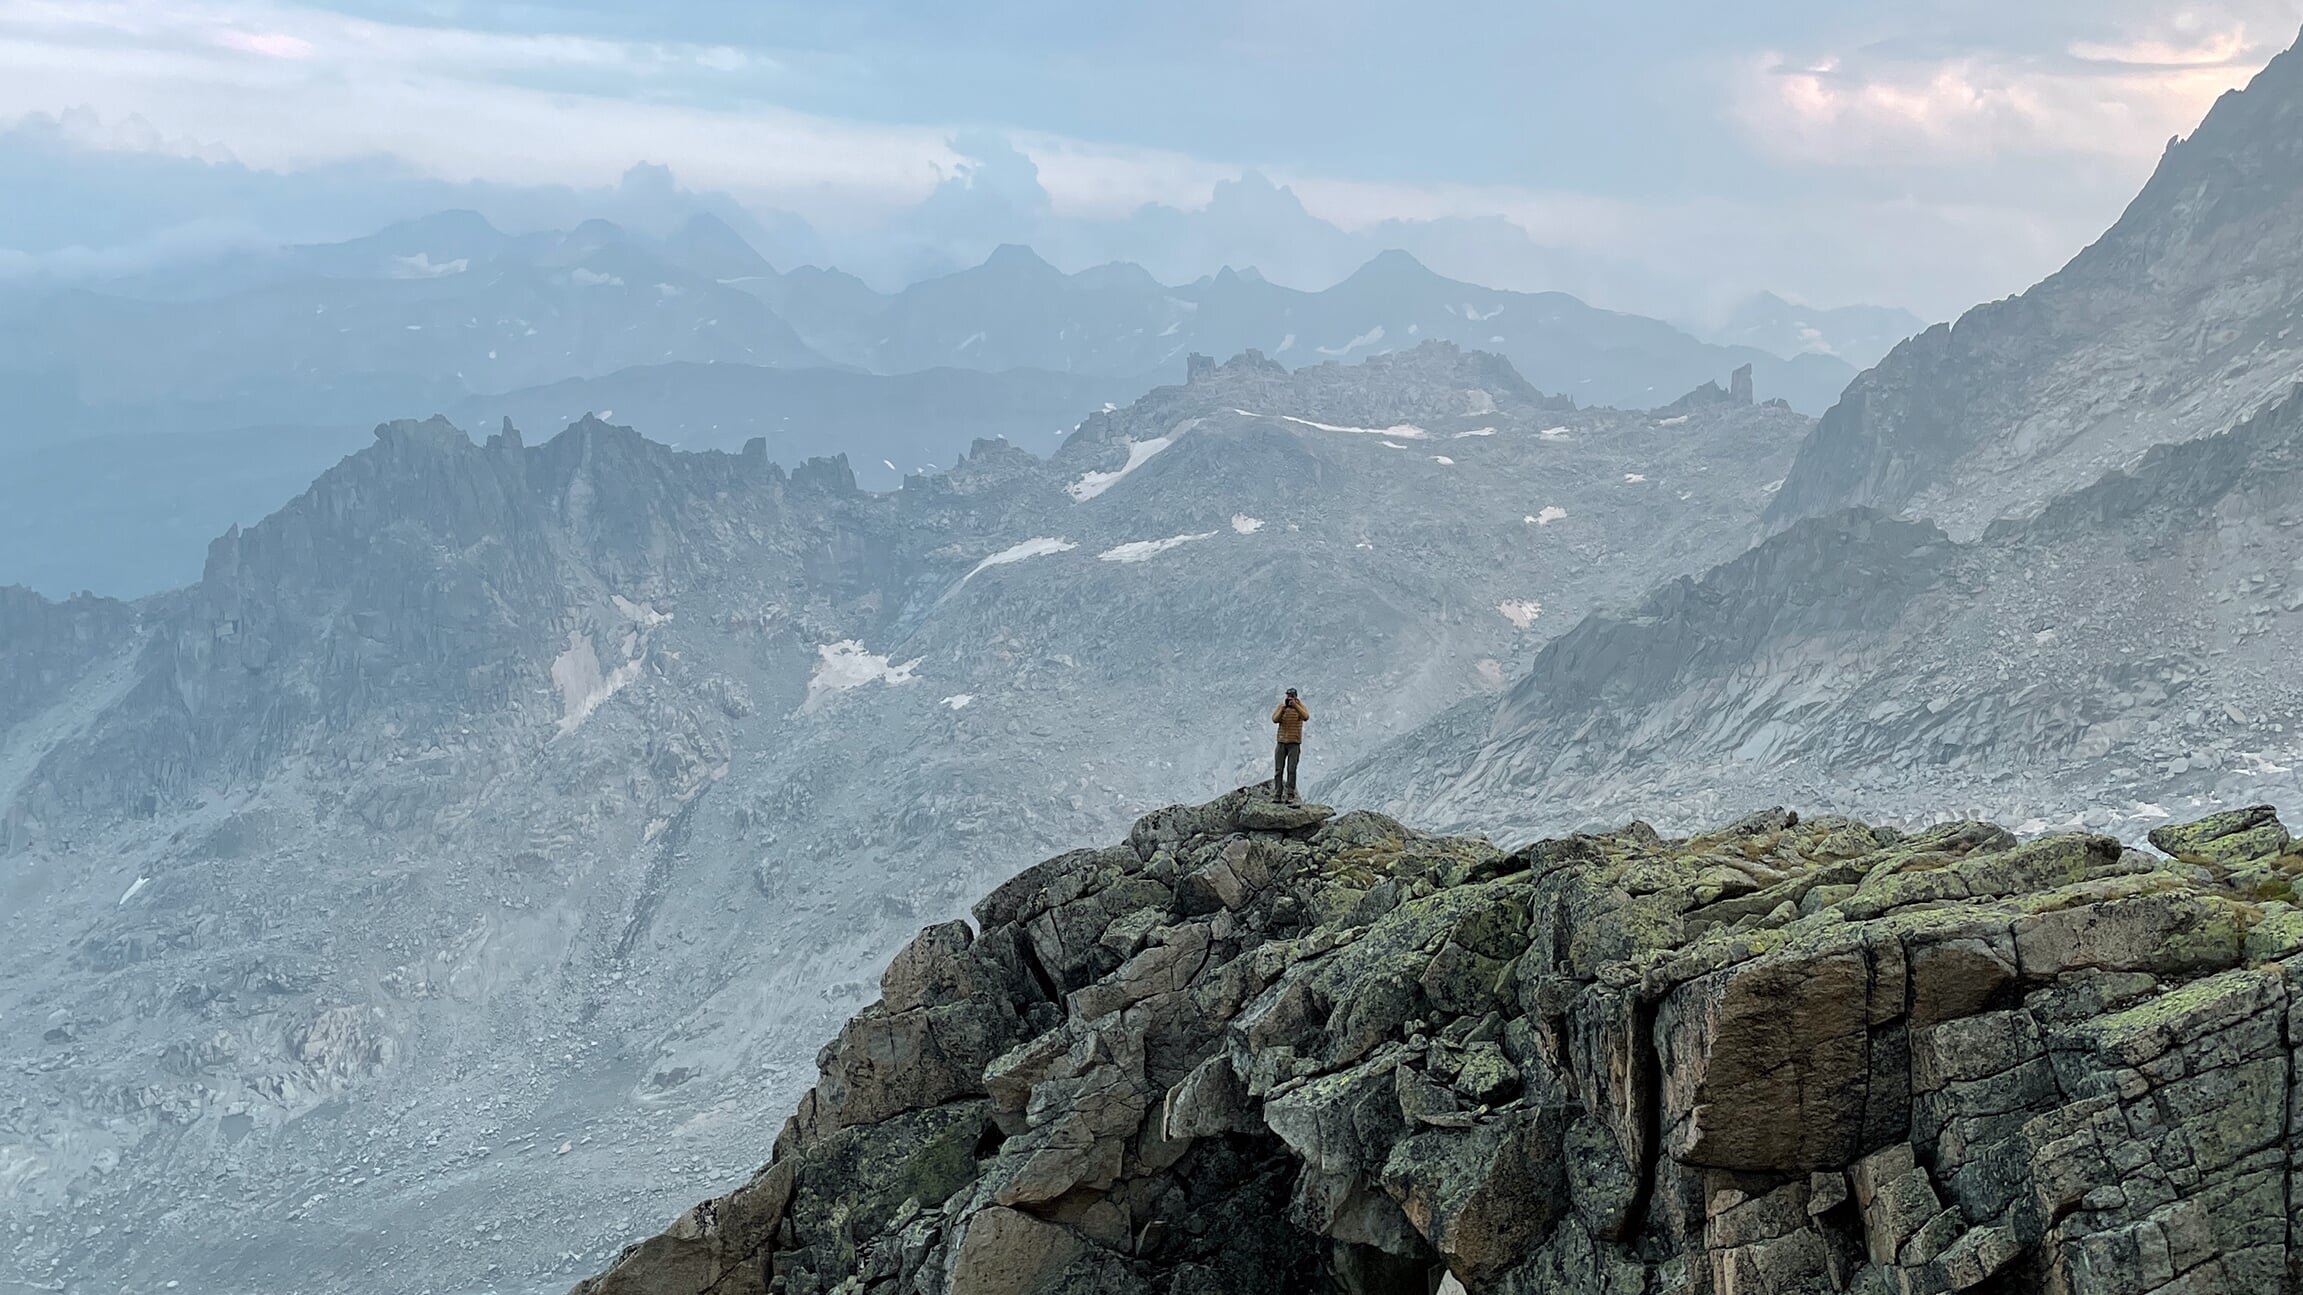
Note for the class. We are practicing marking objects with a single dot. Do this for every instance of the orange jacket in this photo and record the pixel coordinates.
(1290, 717)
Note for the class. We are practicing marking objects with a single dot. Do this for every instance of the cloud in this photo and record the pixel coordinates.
(288, 88)
(1713, 156)
(2120, 98)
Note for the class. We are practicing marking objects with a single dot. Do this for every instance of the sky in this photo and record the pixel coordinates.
(1665, 156)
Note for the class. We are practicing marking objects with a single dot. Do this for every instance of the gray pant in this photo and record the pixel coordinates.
(1284, 758)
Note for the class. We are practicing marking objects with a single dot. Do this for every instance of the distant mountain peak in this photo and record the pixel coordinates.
(709, 246)
(1394, 267)
(1017, 257)
(1396, 260)
(455, 220)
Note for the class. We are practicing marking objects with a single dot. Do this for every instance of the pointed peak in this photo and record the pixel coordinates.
(1396, 259)
(1393, 267)
(1016, 256)
(705, 222)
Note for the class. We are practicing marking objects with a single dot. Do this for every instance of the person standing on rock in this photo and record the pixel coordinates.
(1289, 753)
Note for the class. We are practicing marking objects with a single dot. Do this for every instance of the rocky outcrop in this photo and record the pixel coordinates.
(1736, 394)
(1262, 1051)
(44, 644)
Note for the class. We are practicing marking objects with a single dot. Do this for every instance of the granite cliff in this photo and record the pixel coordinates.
(1266, 1049)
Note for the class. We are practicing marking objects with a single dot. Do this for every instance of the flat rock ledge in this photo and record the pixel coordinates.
(1264, 1049)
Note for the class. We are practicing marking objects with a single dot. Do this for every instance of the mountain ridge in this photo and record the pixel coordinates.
(2171, 325)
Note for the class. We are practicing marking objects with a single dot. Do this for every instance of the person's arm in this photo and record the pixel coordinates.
(1302, 710)
(1278, 711)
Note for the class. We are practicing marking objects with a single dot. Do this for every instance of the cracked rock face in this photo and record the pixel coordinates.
(1782, 1056)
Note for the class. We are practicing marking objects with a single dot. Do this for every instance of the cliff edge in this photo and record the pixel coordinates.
(1263, 1049)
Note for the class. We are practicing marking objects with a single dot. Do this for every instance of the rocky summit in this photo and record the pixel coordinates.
(1262, 1048)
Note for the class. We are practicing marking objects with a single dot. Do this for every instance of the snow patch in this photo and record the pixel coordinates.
(1368, 338)
(1680, 421)
(1245, 524)
(891, 466)
(1553, 434)
(134, 890)
(1145, 550)
(1476, 315)
(584, 278)
(1393, 445)
(1634, 478)
(422, 266)
(583, 686)
(973, 339)
(1286, 343)
(1139, 452)
(1476, 431)
(639, 614)
(845, 666)
(1551, 513)
(1443, 460)
(1521, 612)
(1405, 431)
(959, 700)
(1033, 548)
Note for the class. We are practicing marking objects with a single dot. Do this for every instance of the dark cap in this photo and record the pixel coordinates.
(1291, 692)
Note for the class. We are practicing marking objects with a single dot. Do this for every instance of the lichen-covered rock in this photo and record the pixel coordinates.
(1261, 1051)
(2234, 837)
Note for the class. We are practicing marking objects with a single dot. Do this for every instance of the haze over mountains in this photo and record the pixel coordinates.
(450, 778)
(276, 362)
(457, 878)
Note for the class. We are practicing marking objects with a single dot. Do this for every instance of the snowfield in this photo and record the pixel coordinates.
(1139, 453)
(845, 666)
(1368, 338)
(1521, 612)
(1033, 548)
(583, 686)
(1145, 550)
(1404, 431)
